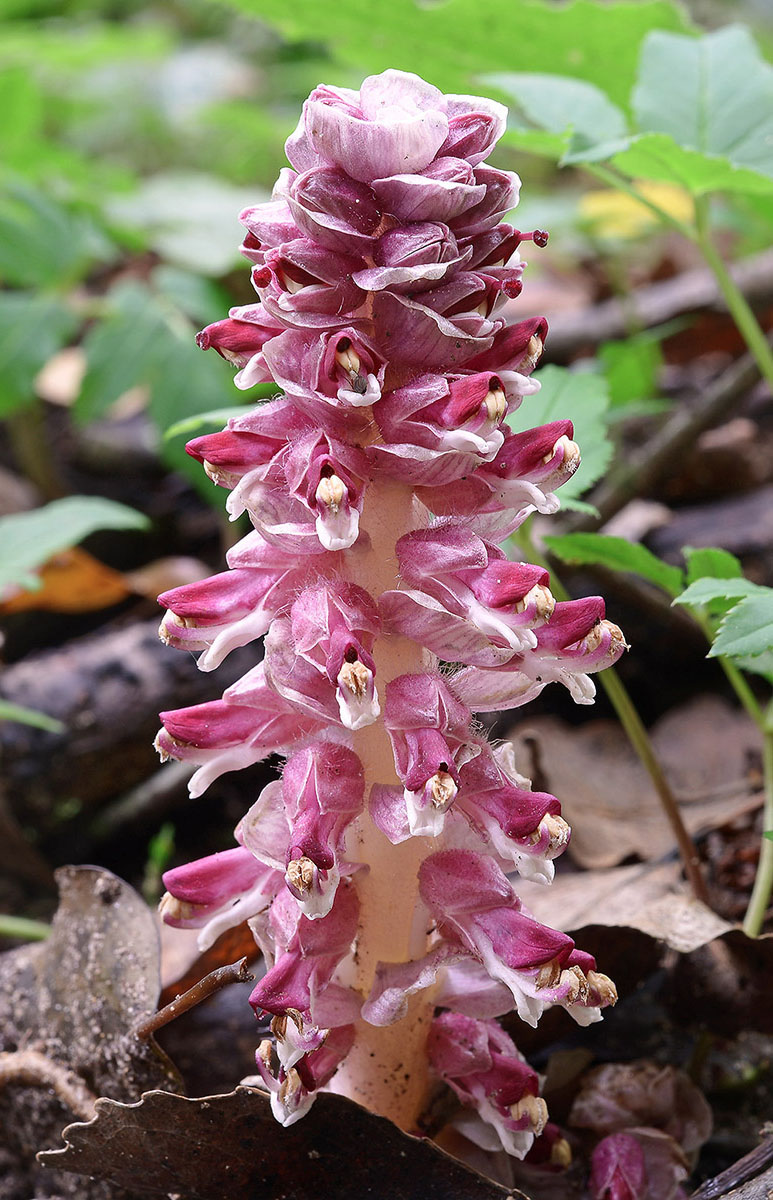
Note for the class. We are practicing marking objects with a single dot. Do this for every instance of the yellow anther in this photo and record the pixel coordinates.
(355, 677)
(331, 492)
(533, 1107)
(442, 789)
(300, 874)
(170, 908)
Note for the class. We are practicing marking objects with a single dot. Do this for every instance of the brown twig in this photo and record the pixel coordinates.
(751, 1166)
(234, 973)
(643, 470)
(656, 304)
(30, 1068)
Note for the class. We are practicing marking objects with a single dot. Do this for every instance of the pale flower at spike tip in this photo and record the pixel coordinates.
(374, 873)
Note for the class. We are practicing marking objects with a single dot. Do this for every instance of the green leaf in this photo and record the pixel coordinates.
(190, 218)
(29, 539)
(712, 562)
(450, 44)
(122, 349)
(582, 397)
(703, 591)
(713, 94)
(32, 328)
(29, 716)
(705, 111)
(577, 113)
(217, 416)
(659, 156)
(202, 301)
(631, 370)
(747, 630)
(617, 554)
(41, 241)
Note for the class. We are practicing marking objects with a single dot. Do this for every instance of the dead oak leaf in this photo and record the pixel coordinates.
(230, 1145)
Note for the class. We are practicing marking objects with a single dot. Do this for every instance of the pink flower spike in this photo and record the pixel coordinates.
(395, 122)
(328, 476)
(479, 1061)
(306, 966)
(380, 485)
(226, 611)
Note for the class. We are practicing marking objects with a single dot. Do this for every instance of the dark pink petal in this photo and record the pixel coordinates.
(334, 210)
(442, 191)
(617, 1169)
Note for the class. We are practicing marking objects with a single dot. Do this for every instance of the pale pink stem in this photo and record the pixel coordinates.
(386, 1070)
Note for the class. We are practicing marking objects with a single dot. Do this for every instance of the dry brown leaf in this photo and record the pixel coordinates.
(644, 896)
(606, 795)
(76, 999)
(231, 1146)
(72, 581)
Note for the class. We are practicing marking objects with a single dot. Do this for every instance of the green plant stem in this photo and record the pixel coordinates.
(631, 722)
(605, 175)
(23, 928)
(737, 303)
(763, 882)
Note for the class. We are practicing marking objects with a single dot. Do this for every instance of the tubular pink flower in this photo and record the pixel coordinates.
(379, 486)
(480, 1062)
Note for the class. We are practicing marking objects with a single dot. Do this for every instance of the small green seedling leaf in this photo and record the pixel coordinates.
(217, 416)
(711, 562)
(703, 591)
(29, 539)
(747, 629)
(616, 554)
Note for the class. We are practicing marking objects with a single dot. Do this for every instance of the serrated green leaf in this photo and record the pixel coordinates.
(32, 328)
(29, 716)
(703, 591)
(617, 554)
(712, 562)
(450, 44)
(583, 398)
(189, 217)
(659, 156)
(761, 664)
(747, 629)
(578, 114)
(29, 539)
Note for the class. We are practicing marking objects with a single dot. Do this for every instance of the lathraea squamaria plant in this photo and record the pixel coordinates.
(375, 874)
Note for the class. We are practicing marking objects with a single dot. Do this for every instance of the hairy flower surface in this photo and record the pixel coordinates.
(380, 486)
